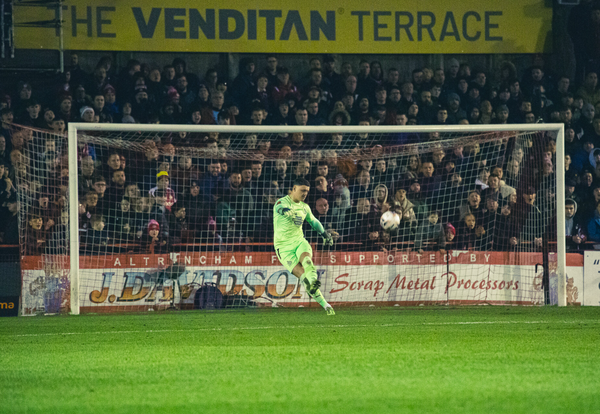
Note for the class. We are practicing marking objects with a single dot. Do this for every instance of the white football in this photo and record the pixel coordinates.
(390, 221)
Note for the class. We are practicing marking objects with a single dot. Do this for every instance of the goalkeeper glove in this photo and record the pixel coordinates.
(327, 239)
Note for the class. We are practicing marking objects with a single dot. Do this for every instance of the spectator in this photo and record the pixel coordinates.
(589, 89)
(99, 188)
(180, 69)
(179, 227)
(154, 241)
(301, 117)
(235, 210)
(362, 225)
(187, 98)
(575, 230)
(469, 235)
(199, 206)
(455, 112)
(325, 216)
(527, 220)
(32, 116)
(96, 237)
(429, 182)
(244, 82)
(593, 226)
(284, 89)
(271, 69)
(471, 206)
(163, 190)
(431, 232)
(282, 115)
(258, 95)
(116, 191)
(379, 200)
(10, 223)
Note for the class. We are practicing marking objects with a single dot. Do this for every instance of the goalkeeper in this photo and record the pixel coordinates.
(293, 251)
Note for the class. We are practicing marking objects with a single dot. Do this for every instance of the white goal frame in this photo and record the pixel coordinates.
(74, 128)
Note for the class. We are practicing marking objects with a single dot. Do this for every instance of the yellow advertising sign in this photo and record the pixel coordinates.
(308, 26)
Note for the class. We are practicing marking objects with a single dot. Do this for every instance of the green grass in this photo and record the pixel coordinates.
(426, 360)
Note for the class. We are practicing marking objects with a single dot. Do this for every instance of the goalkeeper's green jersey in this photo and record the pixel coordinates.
(288, 230)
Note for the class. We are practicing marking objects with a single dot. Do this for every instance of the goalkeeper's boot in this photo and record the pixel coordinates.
(329, 310)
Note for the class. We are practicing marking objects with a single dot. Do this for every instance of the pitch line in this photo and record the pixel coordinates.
(252, 328)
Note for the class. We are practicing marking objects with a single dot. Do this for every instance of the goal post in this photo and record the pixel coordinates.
(73, 218)
(451, 246)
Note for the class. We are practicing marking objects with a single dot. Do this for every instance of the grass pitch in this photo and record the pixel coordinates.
(426, 360)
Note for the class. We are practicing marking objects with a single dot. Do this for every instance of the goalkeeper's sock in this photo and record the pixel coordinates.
(309, 266)
(310, 273)
(307, 279)
(310, 276)
(318, 297)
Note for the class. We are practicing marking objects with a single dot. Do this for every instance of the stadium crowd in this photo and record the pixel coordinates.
(497, 195)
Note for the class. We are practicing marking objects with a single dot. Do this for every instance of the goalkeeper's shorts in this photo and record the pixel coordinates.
(289, 255)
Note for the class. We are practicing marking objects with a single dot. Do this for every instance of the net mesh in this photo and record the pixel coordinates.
(185, 219)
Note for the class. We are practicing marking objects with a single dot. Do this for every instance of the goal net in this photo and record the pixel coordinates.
(152, 217)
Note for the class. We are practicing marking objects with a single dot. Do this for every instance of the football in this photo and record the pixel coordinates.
(390, 221)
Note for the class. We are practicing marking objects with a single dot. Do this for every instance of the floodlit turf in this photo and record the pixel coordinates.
(426, 360)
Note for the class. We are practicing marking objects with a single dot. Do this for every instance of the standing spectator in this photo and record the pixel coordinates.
(471, 206)
(35, 235)
(116, 191)
(495, 221)
(575, 230)
(32, 116)
(97, 81)
(271, 69)
(11, 221)
(156, 89)
(180, 68)
(179, 226)
(96, 237)
(585, 122)
(78, 75)
(469, 234)
(362, 187)
(362, 225)
(527, 217)
(210, 113)
(121, 225)
(430, 183)
(281, 116)
(561, 90)
(163, 187)
(187, 98)
(169, 78)
(101, 110)
(257, 96)
(154, 241)
(333, 78)
(589, 89)
(244, 82)
(65, 108)
(432, 232)
(24, 95)
(126, 82)
(4, 154)
(284, 88)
